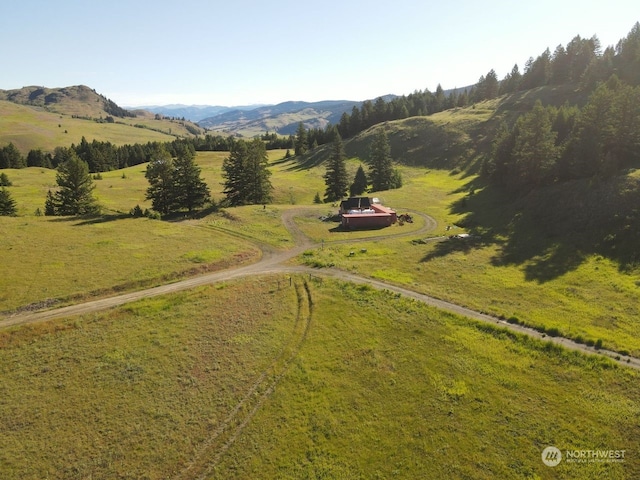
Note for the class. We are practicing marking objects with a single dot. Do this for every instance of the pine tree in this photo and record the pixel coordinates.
(233, 171)
(335, 177)
(628, 59)
(50, 205)
(259, 185)
(189, 189)
(491, 85)
(161, 186)
(511, 81)
(380, 163)
(75, 189)
(396, 179)
(498, 165)
(534, 152)
(4, 180)
(360, 183)
(246, 174)
(36, 158)
(7, 203)
(301, 141)
(10, 157)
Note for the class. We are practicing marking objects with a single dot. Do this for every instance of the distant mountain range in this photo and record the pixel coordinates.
(195, 113)
(282, 118)
(250, 120)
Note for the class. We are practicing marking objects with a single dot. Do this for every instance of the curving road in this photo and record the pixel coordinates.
(274, 262)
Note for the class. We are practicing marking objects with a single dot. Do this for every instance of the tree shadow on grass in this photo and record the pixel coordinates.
(553, 230)
(79, 221)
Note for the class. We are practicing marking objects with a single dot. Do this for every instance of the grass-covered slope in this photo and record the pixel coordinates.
(358, 384)
(31, 128)
(456, 139)
(37, 117)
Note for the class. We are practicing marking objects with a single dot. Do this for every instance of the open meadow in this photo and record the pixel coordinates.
(263, 378)
(592, 300)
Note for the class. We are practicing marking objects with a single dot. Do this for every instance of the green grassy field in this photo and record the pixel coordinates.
(65, 259)
(379, 387)
(29, 128)
(595, 300)
(591, 300)
(134, 392)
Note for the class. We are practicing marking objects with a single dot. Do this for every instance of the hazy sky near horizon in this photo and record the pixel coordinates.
(241, 52)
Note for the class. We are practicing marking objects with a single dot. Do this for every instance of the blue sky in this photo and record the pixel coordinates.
(154, 52)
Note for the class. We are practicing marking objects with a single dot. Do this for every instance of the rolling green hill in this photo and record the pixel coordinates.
(35, 117)
(454, 139)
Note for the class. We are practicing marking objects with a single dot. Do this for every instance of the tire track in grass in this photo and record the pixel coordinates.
(212, 449)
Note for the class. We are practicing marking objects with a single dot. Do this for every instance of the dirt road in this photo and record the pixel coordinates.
(274, 262)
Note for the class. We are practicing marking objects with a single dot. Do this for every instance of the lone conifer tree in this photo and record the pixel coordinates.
(7, 203)
(160, 176)
(335, 178)
(75, 189)
(190, 190)
(301, 142)
(4, 180)
(360, 183)
(381, 167)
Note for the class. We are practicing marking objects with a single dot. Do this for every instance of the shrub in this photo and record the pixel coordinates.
(136, 212)
(513, 320)
(553, 332)
(598, 344)
(152, 214)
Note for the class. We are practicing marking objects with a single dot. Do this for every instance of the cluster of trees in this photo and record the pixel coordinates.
(113, 109)
(174, 178)
(105, 156)
(582, 62)
(417, 103)
(99, 156)
(552, 144)
(175, 183)
(382, 175)
(245, 173)
(273, 141)
(10, 157)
